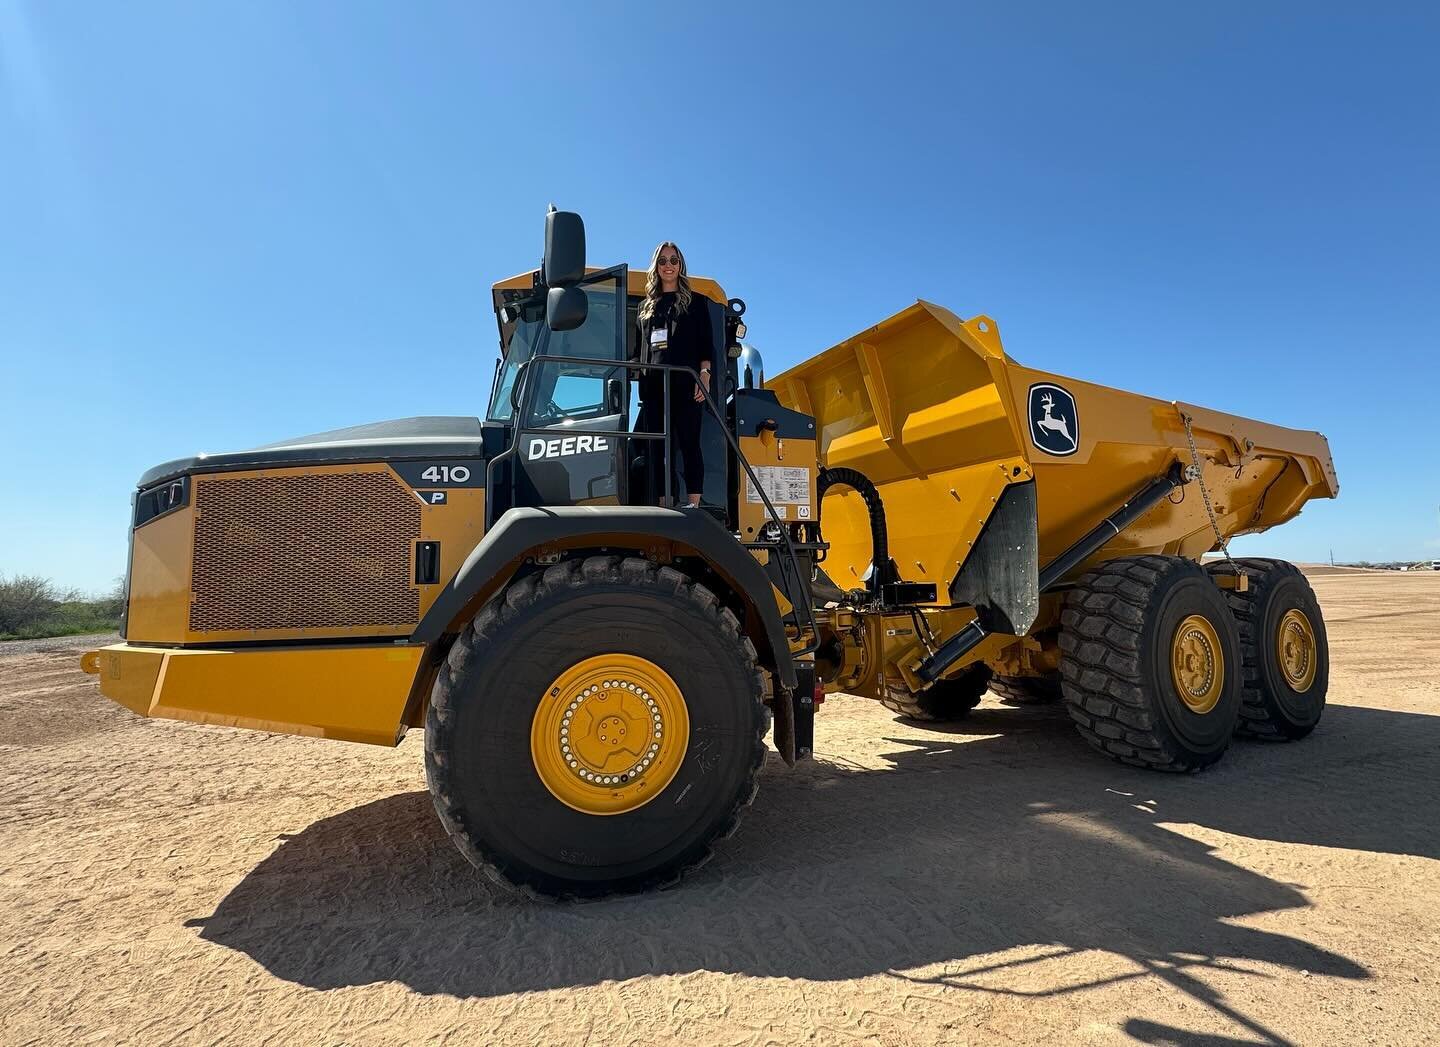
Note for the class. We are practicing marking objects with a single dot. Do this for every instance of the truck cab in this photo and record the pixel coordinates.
(574, 427)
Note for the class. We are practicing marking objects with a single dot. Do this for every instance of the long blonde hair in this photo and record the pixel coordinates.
(683, 293)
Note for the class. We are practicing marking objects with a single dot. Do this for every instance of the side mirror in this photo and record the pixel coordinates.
(752, 368)
(566, 308)
(564, 264)
(614, 395)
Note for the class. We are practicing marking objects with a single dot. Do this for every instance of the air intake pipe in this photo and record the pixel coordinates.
(881, 569)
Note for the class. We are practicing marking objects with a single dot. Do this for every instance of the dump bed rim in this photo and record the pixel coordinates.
(981, 335)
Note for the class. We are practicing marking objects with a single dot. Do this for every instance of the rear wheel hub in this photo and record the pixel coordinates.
(1197, 665)
(1295, 650)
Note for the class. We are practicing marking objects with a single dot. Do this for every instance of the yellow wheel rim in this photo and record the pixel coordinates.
(1197, 664)
(1295, 650)
(609, 734)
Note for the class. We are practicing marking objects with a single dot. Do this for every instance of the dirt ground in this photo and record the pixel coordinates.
(989, 882)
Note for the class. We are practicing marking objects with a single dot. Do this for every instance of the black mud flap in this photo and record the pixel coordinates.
(1001, 576)
(794, 731)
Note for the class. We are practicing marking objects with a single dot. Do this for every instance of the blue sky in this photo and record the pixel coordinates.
(224, 224)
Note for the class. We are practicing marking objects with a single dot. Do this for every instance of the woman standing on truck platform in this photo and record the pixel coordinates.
(674, 328)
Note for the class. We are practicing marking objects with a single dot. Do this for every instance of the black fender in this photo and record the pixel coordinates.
(519, 531)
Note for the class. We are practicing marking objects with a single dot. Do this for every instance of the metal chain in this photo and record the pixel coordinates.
(1197, 473)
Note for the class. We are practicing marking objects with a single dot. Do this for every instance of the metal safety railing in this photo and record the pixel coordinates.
(521, 396)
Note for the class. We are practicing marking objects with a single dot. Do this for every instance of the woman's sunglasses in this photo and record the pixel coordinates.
(674, 259)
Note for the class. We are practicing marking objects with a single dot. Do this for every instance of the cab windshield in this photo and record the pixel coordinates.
(573, 391)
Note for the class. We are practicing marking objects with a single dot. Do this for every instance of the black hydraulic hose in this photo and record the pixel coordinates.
(880, 569)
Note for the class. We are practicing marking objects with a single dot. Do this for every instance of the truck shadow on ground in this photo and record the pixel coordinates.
(1001, 832)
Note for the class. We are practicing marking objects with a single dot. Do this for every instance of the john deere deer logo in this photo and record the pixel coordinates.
(1054, 421)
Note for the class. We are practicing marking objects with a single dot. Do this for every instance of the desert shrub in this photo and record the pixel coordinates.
(31, 607)
(25, 599)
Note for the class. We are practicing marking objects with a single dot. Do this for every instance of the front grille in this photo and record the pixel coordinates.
(303, 551)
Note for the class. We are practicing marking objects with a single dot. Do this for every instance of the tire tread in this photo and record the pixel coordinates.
(1026, 690)
(945, 700)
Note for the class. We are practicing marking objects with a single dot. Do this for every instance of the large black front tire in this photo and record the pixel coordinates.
(484, 779)
(1120, 629)
(1275, 705)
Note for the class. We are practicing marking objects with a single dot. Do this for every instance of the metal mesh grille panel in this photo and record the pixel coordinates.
(308, 551)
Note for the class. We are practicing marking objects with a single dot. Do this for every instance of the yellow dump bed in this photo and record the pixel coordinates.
(933, 411)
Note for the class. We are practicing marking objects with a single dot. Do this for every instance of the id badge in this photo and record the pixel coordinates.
(660, 339)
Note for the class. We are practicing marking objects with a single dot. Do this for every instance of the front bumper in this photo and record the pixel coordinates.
(356, 693)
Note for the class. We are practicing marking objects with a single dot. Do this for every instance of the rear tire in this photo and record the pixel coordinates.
(515, 808)
(944, 700)
(1283, 695)
(1026, 690)
(1151, 663)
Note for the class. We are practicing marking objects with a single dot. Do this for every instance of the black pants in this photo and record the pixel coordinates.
(685, 420)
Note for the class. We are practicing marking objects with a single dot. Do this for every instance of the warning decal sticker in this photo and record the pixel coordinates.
(783, 483)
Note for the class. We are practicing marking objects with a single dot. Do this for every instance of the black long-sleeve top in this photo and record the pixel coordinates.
(690, 342)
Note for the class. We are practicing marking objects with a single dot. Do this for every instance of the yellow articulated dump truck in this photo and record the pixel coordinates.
(910, 516)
